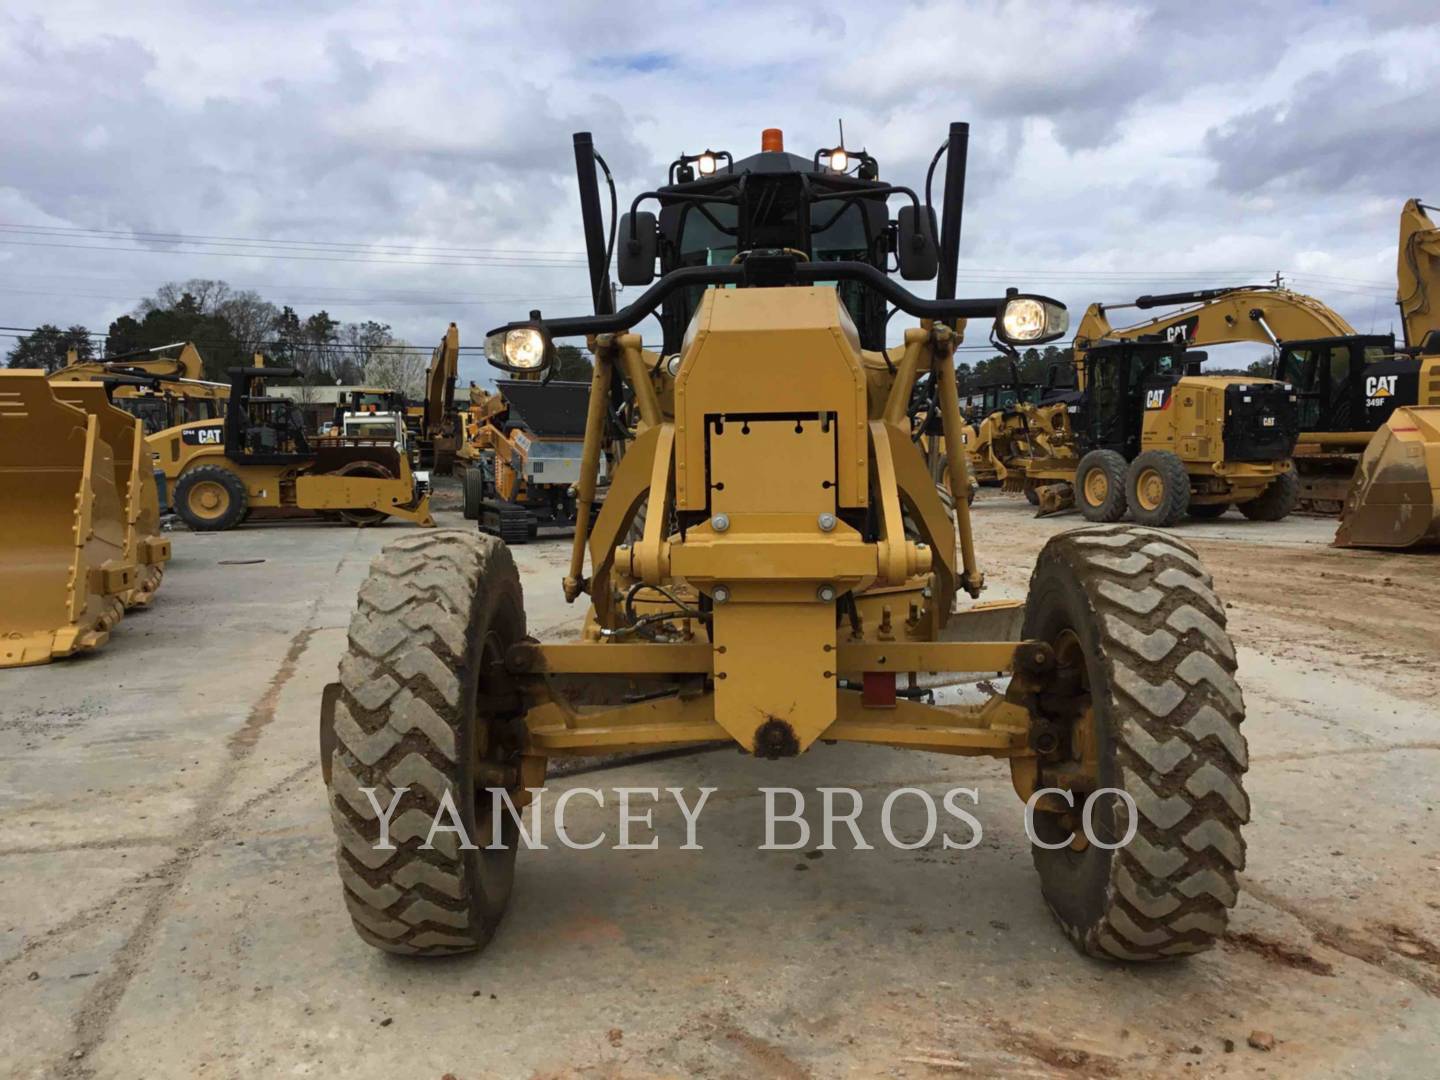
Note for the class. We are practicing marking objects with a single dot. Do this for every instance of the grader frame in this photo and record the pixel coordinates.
(771, 560)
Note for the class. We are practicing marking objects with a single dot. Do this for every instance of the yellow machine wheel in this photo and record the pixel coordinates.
(1158, 488)
(1100, 486)
(210, 498)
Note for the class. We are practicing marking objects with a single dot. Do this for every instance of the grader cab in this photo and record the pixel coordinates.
(774, 566)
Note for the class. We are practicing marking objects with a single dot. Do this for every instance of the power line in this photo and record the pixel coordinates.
(476, 262)
(342, 246)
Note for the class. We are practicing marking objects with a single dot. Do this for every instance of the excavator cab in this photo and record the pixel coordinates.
(1347, 383)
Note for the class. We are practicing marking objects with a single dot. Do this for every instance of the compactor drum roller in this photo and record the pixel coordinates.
(772, 562)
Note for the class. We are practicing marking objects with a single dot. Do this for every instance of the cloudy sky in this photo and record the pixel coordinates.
(412, 163)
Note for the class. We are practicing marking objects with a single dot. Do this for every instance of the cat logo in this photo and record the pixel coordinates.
(1378, 388)
(1156, 399)
(205, 436)
(1183, 332)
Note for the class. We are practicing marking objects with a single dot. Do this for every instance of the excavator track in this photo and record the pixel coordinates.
(511, 522)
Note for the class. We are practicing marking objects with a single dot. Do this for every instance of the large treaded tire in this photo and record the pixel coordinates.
(436, 612)
(1161, 674)
(1276, 501)
(1111, 466)
(234, 511)
(1174, 497)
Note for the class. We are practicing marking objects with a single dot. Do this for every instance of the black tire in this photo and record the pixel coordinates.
(1208, 511)
(1032, 493)
(416, 692)
(1276, 501)
(474, 493)
(204, 482)
(1132, 612)
(1100, 486)
(1157, 488)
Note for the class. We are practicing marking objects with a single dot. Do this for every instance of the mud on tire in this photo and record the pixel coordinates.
(417, 707)
(1160, 668)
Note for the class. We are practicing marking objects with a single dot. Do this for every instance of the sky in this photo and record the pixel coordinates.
(412, 163)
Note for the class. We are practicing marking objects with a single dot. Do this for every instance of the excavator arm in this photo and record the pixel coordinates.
(440, 379)
(1260, 313)
(1417, 275)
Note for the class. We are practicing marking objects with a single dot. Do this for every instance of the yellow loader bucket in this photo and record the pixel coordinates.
(1394, 498)
(63, 569)
(134, 483)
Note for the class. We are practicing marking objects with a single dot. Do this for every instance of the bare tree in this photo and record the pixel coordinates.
(397, 367)
(250, 316)
(208, 295)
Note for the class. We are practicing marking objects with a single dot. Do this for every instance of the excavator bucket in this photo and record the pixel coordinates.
(63, 531)
(134, 483)
(1394, 499)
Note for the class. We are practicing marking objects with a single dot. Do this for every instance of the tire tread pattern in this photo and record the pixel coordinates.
(399, 724)
(1180, 750)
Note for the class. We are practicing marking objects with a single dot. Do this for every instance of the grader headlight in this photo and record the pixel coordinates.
(523, 348)
(1028, 320)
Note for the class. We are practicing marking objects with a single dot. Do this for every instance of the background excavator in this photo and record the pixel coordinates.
(160, 387)
(1394, 499)
(1317, 352)
(437, 423)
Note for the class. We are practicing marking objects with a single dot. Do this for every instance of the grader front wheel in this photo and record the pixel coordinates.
(418, 707)
(1154, 711)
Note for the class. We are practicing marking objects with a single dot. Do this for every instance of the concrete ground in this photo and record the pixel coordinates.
(169, 905)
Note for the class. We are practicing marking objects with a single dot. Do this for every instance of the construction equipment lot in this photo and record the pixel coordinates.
(168, 905)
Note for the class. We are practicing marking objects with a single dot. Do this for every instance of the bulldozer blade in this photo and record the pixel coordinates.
(1394, 499)
(65, 569)
(1055, 499)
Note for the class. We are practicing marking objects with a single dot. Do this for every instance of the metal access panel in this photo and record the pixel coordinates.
(772, 464)
(554, 408)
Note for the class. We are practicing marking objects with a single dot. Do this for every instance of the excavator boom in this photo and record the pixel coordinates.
(1417, 276)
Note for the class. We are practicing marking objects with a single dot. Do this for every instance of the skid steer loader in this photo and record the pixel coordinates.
(65, 572)
(772, 562)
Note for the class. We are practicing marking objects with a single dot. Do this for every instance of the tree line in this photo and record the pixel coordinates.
(229, 326)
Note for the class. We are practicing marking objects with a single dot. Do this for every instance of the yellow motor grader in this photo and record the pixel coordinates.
(260, 457)
(81, 528)
(773, 563)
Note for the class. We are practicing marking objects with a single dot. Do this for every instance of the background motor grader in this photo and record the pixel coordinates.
(772, 563)
(261, 457)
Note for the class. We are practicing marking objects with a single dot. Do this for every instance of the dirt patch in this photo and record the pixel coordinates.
(1280, 953)
(1408, 943)
(1070, 1060)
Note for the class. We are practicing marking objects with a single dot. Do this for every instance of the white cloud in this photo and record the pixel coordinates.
(1110, 141)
